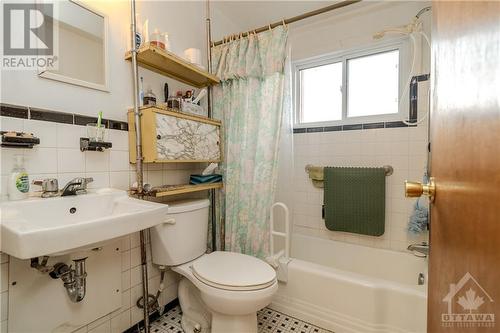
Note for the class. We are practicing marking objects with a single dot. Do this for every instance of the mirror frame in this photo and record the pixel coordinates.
(46, 74)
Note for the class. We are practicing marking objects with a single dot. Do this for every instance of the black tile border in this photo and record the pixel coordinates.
(117, 125)
(332, 128)
(373, 125)
(33, 113)
(315, 129)
(14, 111)
(84, 120)
(351, 127)
(52, 116)
(152, 317)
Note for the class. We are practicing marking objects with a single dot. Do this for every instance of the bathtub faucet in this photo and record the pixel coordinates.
(422, 248)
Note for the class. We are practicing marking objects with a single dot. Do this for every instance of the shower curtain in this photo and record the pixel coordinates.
(249, 100)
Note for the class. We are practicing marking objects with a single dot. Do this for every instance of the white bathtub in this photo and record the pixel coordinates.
(352, 288)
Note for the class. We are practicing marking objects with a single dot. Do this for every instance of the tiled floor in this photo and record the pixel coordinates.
(270, 321)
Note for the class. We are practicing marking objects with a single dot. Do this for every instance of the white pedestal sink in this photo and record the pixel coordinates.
(37, 227)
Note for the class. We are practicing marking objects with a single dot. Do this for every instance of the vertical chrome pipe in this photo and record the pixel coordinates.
(213, 202)
(137, 114)
(213, 218)
(208, 29)
(145, 291)
(139, 170)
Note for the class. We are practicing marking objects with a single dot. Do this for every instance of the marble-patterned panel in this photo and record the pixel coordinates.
(183, 139)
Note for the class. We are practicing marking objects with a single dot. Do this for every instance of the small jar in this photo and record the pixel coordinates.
(149, 97)
(166, 40)
(157, 39)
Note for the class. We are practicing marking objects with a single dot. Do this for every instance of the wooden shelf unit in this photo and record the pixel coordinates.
(171, 65)
(168, 64)
(182, 189)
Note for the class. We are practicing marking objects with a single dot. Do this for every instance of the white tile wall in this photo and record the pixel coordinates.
(59, 156)
(403, 148)
(4, 293)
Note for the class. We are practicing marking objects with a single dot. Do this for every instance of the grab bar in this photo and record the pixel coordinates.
(285, 235)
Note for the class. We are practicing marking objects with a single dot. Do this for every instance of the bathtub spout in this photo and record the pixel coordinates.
(421, 279)
(422, 249)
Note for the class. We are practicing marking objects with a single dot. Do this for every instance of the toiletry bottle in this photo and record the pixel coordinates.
(149, 97)
(139, 36)
(145, 32)
(166, 40)
(157, 40)
(19, 184)
(141, 93)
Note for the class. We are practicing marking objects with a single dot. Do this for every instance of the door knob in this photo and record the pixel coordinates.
(417, 189)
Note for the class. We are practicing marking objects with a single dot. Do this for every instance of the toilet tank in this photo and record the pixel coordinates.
(183, 235)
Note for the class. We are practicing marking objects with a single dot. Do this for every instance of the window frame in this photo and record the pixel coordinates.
(399, 44)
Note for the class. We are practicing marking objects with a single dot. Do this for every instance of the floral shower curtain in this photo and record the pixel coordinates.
(249, 100)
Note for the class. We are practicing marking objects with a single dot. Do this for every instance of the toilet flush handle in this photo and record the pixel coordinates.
(169, 221)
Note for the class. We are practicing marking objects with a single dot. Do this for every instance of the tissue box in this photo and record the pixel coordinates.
(193, 108)
(205, 179)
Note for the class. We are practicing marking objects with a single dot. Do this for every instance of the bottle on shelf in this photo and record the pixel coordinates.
(141, 93)
(149, 97)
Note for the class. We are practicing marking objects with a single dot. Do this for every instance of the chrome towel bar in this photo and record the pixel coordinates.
(316, 173)
(388, 169)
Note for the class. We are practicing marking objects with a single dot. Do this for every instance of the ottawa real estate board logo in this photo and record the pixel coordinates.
(469, 305)
(29, 36)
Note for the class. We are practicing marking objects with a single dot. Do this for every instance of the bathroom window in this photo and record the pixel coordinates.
(349, 87)
(321, 93)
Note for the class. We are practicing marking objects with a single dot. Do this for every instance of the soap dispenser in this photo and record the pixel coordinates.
(19, 184)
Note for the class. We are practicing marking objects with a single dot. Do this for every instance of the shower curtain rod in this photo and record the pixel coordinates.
(294, 19)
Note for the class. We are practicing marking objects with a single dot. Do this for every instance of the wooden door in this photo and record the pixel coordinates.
(464, 266)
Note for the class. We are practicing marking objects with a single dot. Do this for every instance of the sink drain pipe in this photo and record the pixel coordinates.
(139, 158)
(75, 280)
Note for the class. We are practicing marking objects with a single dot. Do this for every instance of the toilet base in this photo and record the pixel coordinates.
(198, 318)
(195, 317)
(242, 324)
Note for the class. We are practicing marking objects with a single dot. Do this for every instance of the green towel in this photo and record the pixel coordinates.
(354, 200)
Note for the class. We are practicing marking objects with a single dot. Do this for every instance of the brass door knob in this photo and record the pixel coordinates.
(416, 189)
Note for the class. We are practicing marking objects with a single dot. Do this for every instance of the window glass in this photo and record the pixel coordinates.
(321, 93)
(372, 84)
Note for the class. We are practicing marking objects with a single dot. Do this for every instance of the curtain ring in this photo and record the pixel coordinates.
(283, 22)
(269, 25)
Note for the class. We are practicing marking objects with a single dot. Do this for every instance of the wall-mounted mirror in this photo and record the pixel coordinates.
(82, 46)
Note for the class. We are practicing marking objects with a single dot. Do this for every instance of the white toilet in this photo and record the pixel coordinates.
(221, 292)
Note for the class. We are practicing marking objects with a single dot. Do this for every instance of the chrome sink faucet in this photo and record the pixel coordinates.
(50, 187)
(76, 186)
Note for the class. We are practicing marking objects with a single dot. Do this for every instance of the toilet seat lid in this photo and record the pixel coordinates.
(233, 271)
